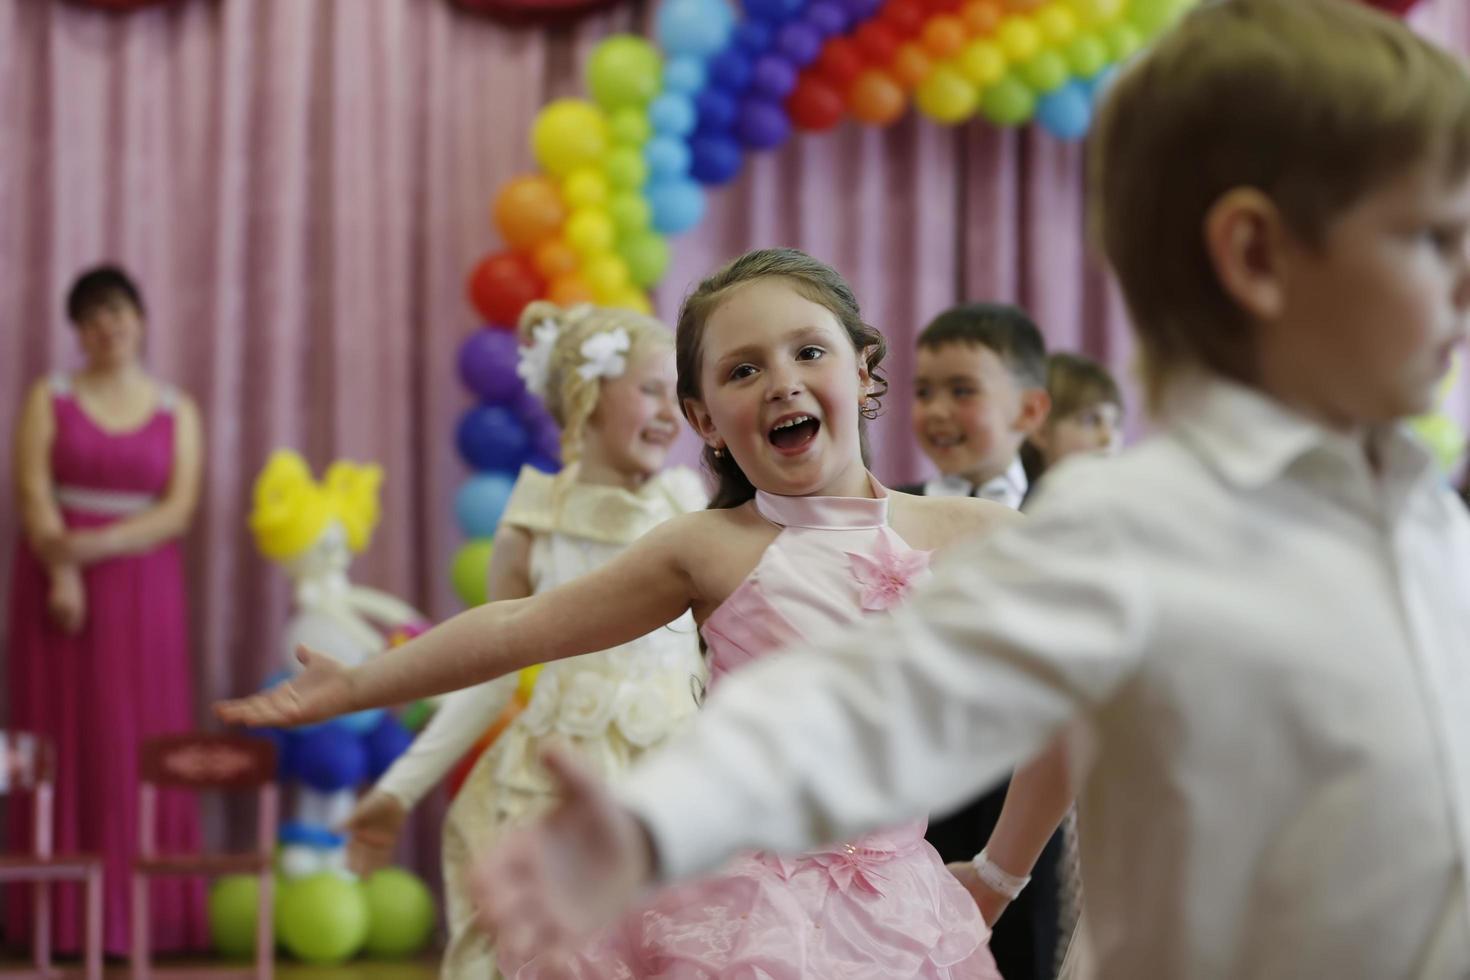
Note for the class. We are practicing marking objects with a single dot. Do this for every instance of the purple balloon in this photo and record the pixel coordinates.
(717, 110)
(487, 365)
(861, 10)
(546, 441)
(773, 78)
(827, 16)
(529, 409)
(762, 125)
(729, 70)
(800, 42)
(753, 37)
(715, 159)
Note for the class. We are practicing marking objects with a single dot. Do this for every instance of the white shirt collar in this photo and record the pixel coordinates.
(1008, 488)
(1251, 439)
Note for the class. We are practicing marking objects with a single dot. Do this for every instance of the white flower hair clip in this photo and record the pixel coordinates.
(533, 363)
(604, 355)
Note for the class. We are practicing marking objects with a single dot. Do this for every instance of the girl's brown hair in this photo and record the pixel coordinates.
(817, 282)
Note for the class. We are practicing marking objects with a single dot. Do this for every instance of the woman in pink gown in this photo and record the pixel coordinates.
(107, 477)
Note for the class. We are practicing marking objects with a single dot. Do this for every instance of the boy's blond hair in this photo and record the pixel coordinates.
(1314, 103)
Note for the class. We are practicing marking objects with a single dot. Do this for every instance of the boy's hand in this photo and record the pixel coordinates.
(546, 888)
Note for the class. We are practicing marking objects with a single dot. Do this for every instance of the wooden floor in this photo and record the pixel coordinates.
(425, 969)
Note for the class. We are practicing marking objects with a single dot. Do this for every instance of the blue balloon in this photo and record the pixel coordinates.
(717, 110)
(490, 437)
(480, 501)
(331, 758)
(773, 77)
(729, 70)
(546, 441)
(360, 722)
(800, 42)
(1065, 113)
(487, 365)
(546, 464)
(754, 37)
(694, 27)
(774, 11)
(308, 835)
(667, 157)
(827, 16)
(673, 114)
(762, 125)
(716, 159)
(677, 205)
(385, 743)
(684, 75)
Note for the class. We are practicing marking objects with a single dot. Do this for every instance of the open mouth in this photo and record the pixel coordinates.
(658, 437)
(794, 433)
(944, 441)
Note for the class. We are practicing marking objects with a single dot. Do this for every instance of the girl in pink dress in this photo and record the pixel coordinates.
(776, 372)
(98, 659)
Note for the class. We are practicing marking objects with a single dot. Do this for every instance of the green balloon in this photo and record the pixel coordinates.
(471, 571)
(1123, 40)
(647, 256)
(322, 918)
(630, 213)
(1087, 55)
(625, 168)
(1046, 72)
(624, 70)
(630, 126)
(1008, 102)
(1152, 16)
(417, 715)
(400, 914)
(233, 901)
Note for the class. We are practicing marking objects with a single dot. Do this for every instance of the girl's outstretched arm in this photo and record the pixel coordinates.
(644, 588)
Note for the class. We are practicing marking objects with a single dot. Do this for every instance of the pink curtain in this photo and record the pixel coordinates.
(301, 189)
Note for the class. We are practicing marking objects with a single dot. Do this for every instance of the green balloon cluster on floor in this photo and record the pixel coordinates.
(326, 919)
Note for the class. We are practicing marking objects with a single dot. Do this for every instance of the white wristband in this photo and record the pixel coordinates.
(997, 879)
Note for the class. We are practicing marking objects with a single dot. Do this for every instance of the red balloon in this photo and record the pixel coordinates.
(840, 62)
(501, 286)
(878, 43)
(815, 104)
(904, 16)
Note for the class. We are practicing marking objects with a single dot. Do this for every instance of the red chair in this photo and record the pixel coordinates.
(204, 762)
(28, 764)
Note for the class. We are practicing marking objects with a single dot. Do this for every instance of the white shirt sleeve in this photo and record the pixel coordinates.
(461, 718)
(905, 714)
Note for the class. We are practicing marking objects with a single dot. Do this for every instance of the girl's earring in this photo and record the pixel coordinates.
(719, 451)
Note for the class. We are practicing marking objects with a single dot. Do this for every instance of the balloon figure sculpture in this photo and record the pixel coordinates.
(312, 531)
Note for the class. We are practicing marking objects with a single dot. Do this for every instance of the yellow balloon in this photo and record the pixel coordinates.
(631, 298)
(586, 188)
(607, 275)
(590, 231)
(526, 682)
(1057, 24)
(1097, 13)
(982, 62)
(569, 134)
(1019, 38)
(947, 96)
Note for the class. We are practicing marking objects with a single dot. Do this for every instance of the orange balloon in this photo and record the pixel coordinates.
(461, 770)
(910, 65)
(528, 210)
(982, 17)
(569, 290)
(1025, 6)
(876, 98)
(943, 36)
(554, 258)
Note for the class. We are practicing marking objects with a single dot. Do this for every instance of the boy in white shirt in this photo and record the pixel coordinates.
(1261, 612)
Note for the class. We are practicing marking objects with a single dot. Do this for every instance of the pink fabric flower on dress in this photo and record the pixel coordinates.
(887, 575)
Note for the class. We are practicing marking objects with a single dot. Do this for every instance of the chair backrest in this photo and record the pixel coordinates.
(28, 764)
(204, 761)
(27, 761)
